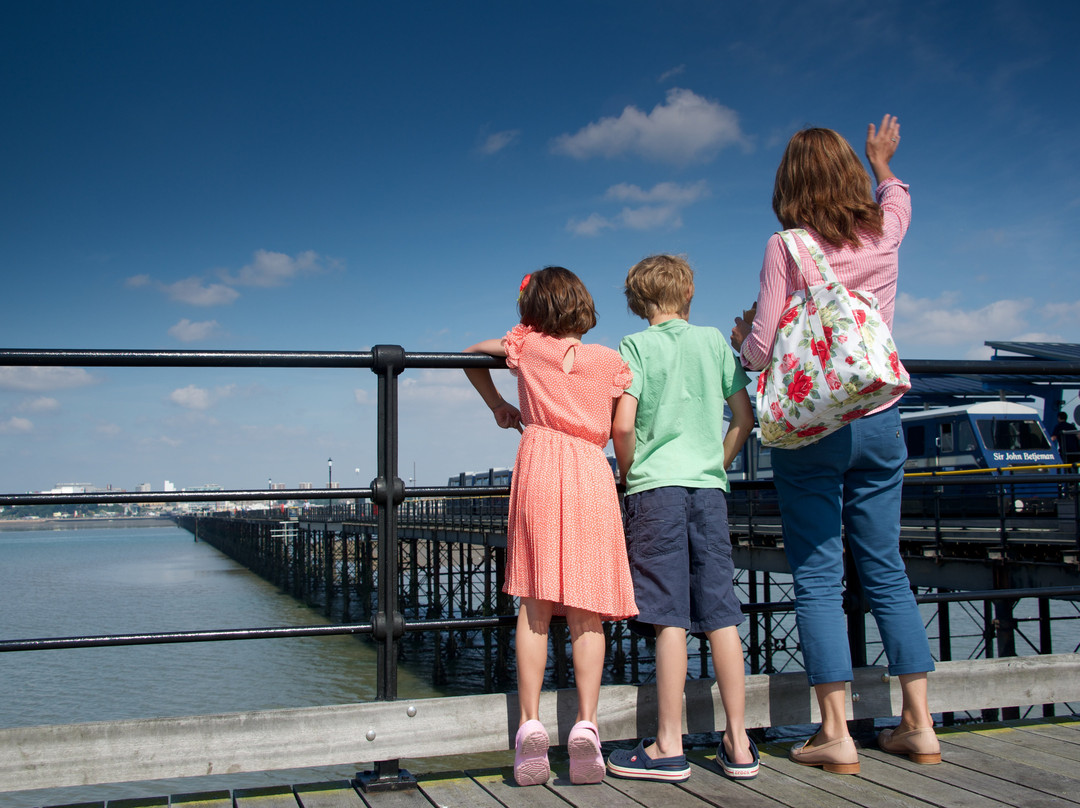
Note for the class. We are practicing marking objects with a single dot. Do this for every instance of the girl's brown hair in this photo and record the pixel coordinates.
(821, 183)
(555, 301)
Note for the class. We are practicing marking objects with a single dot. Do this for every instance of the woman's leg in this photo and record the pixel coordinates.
(872, 493)
(531, 651)
(915, 707)
(832, 702)
(809, 483)
(587, 641)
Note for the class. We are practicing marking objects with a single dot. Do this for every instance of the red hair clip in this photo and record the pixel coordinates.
(524, 283)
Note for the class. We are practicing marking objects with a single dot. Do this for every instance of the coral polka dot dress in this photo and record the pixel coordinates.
(565, 538)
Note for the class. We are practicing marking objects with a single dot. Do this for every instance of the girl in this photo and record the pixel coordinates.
(566, 553)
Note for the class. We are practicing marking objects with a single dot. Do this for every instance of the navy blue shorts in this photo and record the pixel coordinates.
(680, 558)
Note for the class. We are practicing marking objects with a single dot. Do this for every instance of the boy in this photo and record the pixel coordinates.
(672, 455)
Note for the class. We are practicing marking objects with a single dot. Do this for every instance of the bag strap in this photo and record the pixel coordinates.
(816, 253)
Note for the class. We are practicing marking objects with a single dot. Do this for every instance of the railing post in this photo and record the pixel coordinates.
(387, 492)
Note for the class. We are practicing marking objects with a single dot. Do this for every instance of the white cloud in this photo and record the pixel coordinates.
(685, 128)
(42, 379)
(193, 291)
(670, 74)
(449, 387)
(135, 281)
(363, 397)
(199, 398)
(40, 404)
(191, 397)
(497, 142)
(16, 426)
(663, 207)
(671, 192)
(1069, 312)
(941, 321)
(109, 430)
(273, 269)
(187, 331)
(591, 226)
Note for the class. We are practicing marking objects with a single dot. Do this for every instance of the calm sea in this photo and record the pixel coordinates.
(67, 583)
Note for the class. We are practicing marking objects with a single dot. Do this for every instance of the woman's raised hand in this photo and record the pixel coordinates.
(881, 145)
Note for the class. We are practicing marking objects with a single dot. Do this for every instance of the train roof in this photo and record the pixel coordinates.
(980, 408)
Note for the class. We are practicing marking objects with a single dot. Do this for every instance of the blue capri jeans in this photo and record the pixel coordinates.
(851, 478)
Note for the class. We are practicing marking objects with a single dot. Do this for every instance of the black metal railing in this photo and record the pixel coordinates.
(387, 491)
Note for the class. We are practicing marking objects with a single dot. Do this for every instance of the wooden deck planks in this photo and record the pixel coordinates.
(977, 782)
(340, 794)
(1035, 779)
(871, 788)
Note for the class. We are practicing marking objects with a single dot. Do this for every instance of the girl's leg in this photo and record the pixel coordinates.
(587, 641)
(727, 657)
(531, 651)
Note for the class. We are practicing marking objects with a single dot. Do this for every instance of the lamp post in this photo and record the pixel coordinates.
(330, 484)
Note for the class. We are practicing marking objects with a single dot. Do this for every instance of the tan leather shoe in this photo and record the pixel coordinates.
(839, 756)
(920, 745)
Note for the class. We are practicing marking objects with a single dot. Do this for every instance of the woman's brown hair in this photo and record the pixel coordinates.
(555, 301)
(821, 183)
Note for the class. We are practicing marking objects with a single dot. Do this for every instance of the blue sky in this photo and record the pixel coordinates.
(334, 175)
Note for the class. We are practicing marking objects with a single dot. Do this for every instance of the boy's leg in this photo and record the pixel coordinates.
(587, 641)
(727, 657)
(531, 651)
(670, 682)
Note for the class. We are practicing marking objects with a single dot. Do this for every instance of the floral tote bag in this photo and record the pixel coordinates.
(833, 360)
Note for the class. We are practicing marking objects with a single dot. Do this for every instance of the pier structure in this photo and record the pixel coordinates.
(387, 730)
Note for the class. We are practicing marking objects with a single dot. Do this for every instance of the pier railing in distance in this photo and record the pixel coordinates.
(387, 730)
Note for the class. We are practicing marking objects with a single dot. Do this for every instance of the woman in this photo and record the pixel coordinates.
(851, 478)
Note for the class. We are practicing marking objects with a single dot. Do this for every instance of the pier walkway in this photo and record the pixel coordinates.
(1026, 764)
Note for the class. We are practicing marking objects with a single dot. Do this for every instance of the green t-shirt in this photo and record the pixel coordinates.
(682, 375)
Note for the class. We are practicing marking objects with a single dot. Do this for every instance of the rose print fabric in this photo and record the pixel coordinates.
(833, 359)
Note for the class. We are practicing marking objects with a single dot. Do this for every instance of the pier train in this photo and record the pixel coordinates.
(971, 437)
(988, 435)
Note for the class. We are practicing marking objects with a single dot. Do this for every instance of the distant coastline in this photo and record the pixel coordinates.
(74, 523)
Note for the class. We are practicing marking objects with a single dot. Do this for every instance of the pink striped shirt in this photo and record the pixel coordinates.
(874, 267)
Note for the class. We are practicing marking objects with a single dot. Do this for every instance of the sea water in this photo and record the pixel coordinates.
(67, 583)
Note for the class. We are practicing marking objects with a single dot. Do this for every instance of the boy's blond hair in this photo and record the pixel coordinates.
(659, 284)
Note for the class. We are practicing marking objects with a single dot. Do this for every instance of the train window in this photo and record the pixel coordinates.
(764, 459)
(945, 441)
(965, 437)
(916, 440)
(1019, 434)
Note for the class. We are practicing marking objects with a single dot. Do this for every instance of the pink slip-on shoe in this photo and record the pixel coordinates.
(531, 766)
(586, 762)
(920, 745)
(839, 756)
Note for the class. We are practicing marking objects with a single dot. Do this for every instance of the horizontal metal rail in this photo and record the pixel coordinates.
(366, 359)
(455, 624)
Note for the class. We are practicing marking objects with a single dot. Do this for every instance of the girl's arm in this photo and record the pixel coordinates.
(622, 433)
(506, 414)
(742, 422)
